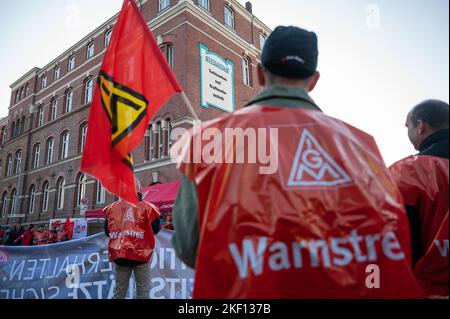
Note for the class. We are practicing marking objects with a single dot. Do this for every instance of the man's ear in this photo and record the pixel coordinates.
(261, 75)
(313, 82)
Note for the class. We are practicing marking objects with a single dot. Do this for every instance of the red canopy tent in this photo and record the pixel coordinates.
(162, 196)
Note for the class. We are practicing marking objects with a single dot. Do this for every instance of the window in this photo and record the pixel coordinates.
(18, 165)
(246, 71)
(22, 95)
(4, 204)
(60, 193)
(36, 155)
(229, 17)
(31, 200)
(9, 165)
(169, 131)
(151, 140)
(204, 4)
(169, 55)
(64, 145)
(90, 50)
(41, 116)
(54, 109)
(81, 188)
(108, 35)
(22, 125)
(13, 202)
(71, 63)
(3, 138)
(27, 88)
(57, 74)
(163, 4)
(83, 135)
(69, 101)
(17, 97)
(45, 197)
(160, 140)
(88, 90)
(44, 81)
(101, 193)
(262, 40)
(50, 147)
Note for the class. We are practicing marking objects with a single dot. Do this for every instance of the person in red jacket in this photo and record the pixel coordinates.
(308, 220)
(26, 238)
(40, 236)
(423, 181)
(131, 231)
(52, 235)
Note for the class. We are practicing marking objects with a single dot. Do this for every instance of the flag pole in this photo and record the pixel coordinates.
(189, 106)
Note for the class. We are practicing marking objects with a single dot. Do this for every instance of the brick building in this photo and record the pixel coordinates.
(42, 138)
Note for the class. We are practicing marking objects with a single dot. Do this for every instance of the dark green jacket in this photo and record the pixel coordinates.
(185, 214)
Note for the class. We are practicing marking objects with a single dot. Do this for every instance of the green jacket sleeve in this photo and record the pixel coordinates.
(185, 218)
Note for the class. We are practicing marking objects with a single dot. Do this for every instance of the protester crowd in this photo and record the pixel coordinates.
(17, 235)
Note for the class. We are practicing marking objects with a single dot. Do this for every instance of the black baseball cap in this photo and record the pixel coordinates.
(291, 52)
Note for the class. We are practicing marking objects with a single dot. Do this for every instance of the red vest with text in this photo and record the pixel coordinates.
(130, 231)
(325, 220)
(424, 184)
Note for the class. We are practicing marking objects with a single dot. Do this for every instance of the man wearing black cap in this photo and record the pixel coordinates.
(308, 229)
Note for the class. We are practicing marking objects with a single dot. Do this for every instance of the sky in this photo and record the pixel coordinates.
(378, 58)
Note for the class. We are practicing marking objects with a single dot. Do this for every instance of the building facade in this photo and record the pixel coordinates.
(213, 47)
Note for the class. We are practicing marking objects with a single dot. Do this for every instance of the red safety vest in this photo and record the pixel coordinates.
(328, 223)
(424, 184)
(130, 232)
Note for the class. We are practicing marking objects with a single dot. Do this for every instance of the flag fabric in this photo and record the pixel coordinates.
(135, 81)
(68, 227)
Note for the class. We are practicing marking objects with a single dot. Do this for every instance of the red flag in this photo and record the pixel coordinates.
(135, 81)
(68, 227)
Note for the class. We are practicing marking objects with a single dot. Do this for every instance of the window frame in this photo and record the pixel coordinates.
(108, 35)
(36, 155)
(88, 90)
(246, 69)
(231, 15)
(57, 73)
(54, 109)
(60, 193)
(65, 145)
(45, 196)
(90, 50)
(48, 154)
(163, 5)
(71, 63)
(31, 200)
(201, 4)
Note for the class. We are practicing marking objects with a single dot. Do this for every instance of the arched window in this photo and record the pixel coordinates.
(204, 4)
(229, 17)
(45, 196)
(160, 140)
(101, 193)
(65, 145)
(81, 188)
(163, 4)
(60, 190)
(262, 40)
(44, 81)
(71, 64)
(17, 96)
(22, 93)
(108, 35)
(31, 199)
(69, 101)
(36, 155)
(83, 135)
(150, 143)
(9, 165)
(4, 209)
(54, 109)
(27, 88)
(41, 115)
(14, 129)
(169, 132)
(13, 207)
(88, 91)
(57, 73)
(22, 125)
(246, 71)
(18, 164)
(49, 154)
(90, 50)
